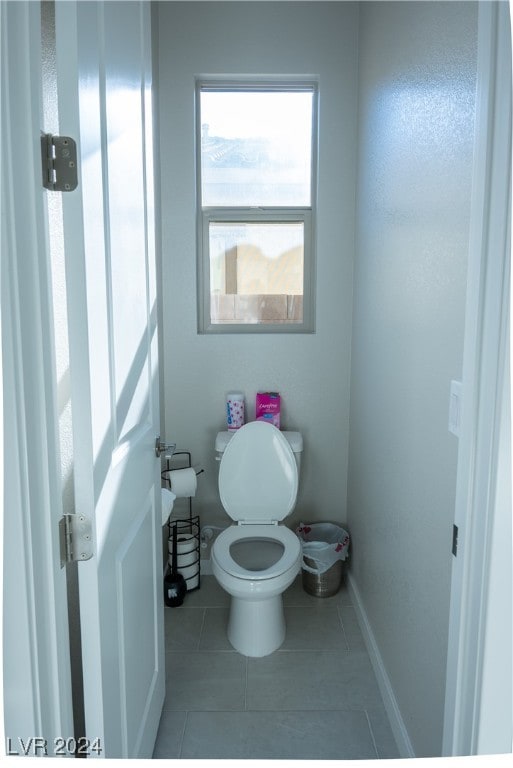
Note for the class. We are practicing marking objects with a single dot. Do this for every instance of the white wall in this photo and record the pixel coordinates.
(310, 371)
(417, 70)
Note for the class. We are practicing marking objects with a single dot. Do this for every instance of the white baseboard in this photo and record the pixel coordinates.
(401, 736)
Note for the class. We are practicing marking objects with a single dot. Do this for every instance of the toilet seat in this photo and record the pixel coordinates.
(236, 533)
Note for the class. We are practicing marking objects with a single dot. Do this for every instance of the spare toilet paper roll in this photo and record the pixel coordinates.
(187, 558)
(168, 499)
(185, 544)
(183, 482)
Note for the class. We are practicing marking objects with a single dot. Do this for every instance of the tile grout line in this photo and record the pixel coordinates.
(339, 614)
(372, 734)
(182, 737)
(200, 633)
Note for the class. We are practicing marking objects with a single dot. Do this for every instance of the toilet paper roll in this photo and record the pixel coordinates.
(183, 482)
(182, 561)
(168, 499)
(185, 544)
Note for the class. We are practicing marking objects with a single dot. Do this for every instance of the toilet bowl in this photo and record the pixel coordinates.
(257, 559)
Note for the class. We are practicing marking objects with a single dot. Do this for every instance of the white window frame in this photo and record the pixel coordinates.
(261, 214)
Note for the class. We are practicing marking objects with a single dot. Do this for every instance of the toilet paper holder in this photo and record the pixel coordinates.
(187, 549)
(188, 530)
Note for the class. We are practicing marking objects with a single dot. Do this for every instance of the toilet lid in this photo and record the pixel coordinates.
(258, 475)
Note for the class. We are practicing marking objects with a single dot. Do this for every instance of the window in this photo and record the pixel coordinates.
(256, 182)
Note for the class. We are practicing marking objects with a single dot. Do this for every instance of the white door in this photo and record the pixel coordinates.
(104, 84)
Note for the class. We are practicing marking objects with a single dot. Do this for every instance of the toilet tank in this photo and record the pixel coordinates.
(294, 439)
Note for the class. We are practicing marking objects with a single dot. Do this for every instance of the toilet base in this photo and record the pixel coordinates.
(256, 627)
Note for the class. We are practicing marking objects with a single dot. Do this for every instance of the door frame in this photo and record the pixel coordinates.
(36, 657)
(485, 373)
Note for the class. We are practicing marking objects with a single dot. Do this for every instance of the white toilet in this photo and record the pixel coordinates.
(257, 559)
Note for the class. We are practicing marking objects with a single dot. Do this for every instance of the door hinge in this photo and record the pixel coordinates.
(59, 158)
(76, 539)
(455, 540)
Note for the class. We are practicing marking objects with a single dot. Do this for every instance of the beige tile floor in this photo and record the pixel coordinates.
(314, 698)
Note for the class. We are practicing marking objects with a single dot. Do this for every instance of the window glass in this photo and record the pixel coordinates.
(256, 148)
(256, 272)
(256, 185)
